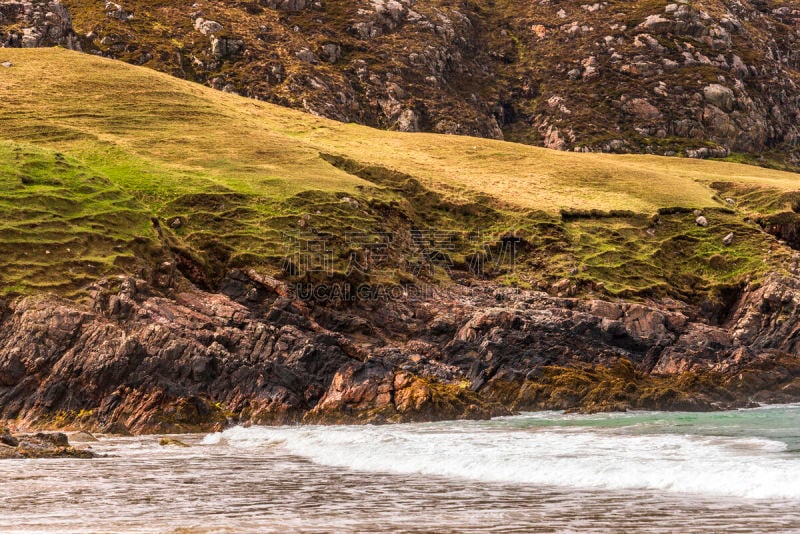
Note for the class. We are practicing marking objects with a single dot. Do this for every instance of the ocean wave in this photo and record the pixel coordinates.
(557, 456)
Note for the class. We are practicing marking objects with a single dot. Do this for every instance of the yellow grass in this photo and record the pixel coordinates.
(91, 150)
(185, 129)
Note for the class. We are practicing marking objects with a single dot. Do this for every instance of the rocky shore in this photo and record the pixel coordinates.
(140, 360)
(39, 445)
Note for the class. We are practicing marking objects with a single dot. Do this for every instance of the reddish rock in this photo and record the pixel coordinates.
(139, 361)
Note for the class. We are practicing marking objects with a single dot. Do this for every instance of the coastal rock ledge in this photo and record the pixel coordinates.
(39, 445)
(134, 359)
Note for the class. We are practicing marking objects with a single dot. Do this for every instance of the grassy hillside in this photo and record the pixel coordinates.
(92, 151)
(556, 74)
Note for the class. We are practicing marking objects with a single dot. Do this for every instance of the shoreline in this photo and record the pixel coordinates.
(17, 427)
(69, 431)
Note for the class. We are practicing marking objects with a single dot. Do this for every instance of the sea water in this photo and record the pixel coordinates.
(735, 471)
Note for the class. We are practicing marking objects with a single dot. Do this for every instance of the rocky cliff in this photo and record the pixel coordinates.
(35, 24)
(142, 215)
(700, 79)
(137, 359)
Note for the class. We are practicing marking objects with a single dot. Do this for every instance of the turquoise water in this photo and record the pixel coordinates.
(733, 471)
(780, 423)
(775, 427)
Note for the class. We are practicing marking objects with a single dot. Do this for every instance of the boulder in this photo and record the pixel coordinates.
(304, 54)
(332, 52)
(642, 109)
(82, 437)
(701, 221)
(223, 47)
(118, 12)
(37, 23)
(7, 452)
(656, 24)
(720, 96)
(207, 27)
(408, 121)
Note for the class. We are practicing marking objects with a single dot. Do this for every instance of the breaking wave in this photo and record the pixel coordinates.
(519, 450)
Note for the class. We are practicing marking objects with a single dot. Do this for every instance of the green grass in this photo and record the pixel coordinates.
(62, 224)
(671, 258)
(92, 149)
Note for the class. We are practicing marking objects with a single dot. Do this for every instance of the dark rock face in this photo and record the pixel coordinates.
(140, 361)
(785, 226)
(148, 363)
(36, 24)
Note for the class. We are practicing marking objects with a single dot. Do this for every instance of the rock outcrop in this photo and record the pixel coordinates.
(36, 24)
(140, 361)
(39, 445)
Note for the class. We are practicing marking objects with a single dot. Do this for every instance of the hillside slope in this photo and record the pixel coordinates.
(703, 79)
(108, 147)
(175, 258)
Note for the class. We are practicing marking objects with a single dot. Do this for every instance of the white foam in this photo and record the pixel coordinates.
(561, 456)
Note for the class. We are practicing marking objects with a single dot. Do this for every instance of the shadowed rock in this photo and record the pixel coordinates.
(142, 362)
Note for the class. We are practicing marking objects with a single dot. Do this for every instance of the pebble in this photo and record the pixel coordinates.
(728, 239)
